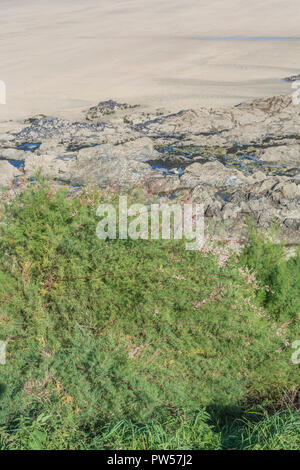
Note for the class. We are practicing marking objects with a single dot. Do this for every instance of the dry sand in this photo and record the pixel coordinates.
(58, 56)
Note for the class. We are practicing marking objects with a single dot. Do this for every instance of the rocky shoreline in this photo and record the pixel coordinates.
(240, 162)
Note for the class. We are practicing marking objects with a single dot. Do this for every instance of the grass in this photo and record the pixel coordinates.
(136, 344)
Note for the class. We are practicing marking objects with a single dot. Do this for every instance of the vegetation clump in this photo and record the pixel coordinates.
(139, 344)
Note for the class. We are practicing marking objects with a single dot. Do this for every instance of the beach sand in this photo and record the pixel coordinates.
(60, 56)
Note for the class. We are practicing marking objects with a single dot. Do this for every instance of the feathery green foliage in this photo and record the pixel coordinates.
(122, 342)
(275, 270)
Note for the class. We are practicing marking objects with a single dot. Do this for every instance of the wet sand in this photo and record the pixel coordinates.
(60, 56)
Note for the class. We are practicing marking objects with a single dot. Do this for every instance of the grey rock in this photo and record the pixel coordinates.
(289, 190)
(233, 181)
(214, 174)
(51, 146)
(230, 211)
(106, 164)
(238, 161)
(282, 154)
(297, 178)
(7, 173)
(6, 138)
(163, 185)
(104, 172)
(48, 165)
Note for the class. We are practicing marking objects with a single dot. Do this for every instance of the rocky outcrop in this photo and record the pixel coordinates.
(123, 164)
(101, 165)
(239, 162)
(105, 108)
(212, 173)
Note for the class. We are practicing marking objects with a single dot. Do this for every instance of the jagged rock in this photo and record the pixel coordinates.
(289, 190)
(100, 165)
(266, 186)
(163, 185)
(269, 105)
(106, 164)
(214, 174)
(237, 161)
(104, 172)
(106, 107)
(230, 211)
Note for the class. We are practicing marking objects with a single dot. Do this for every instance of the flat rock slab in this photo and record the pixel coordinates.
(7, 173)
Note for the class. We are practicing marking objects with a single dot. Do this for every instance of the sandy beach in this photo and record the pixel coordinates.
(60, 56)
